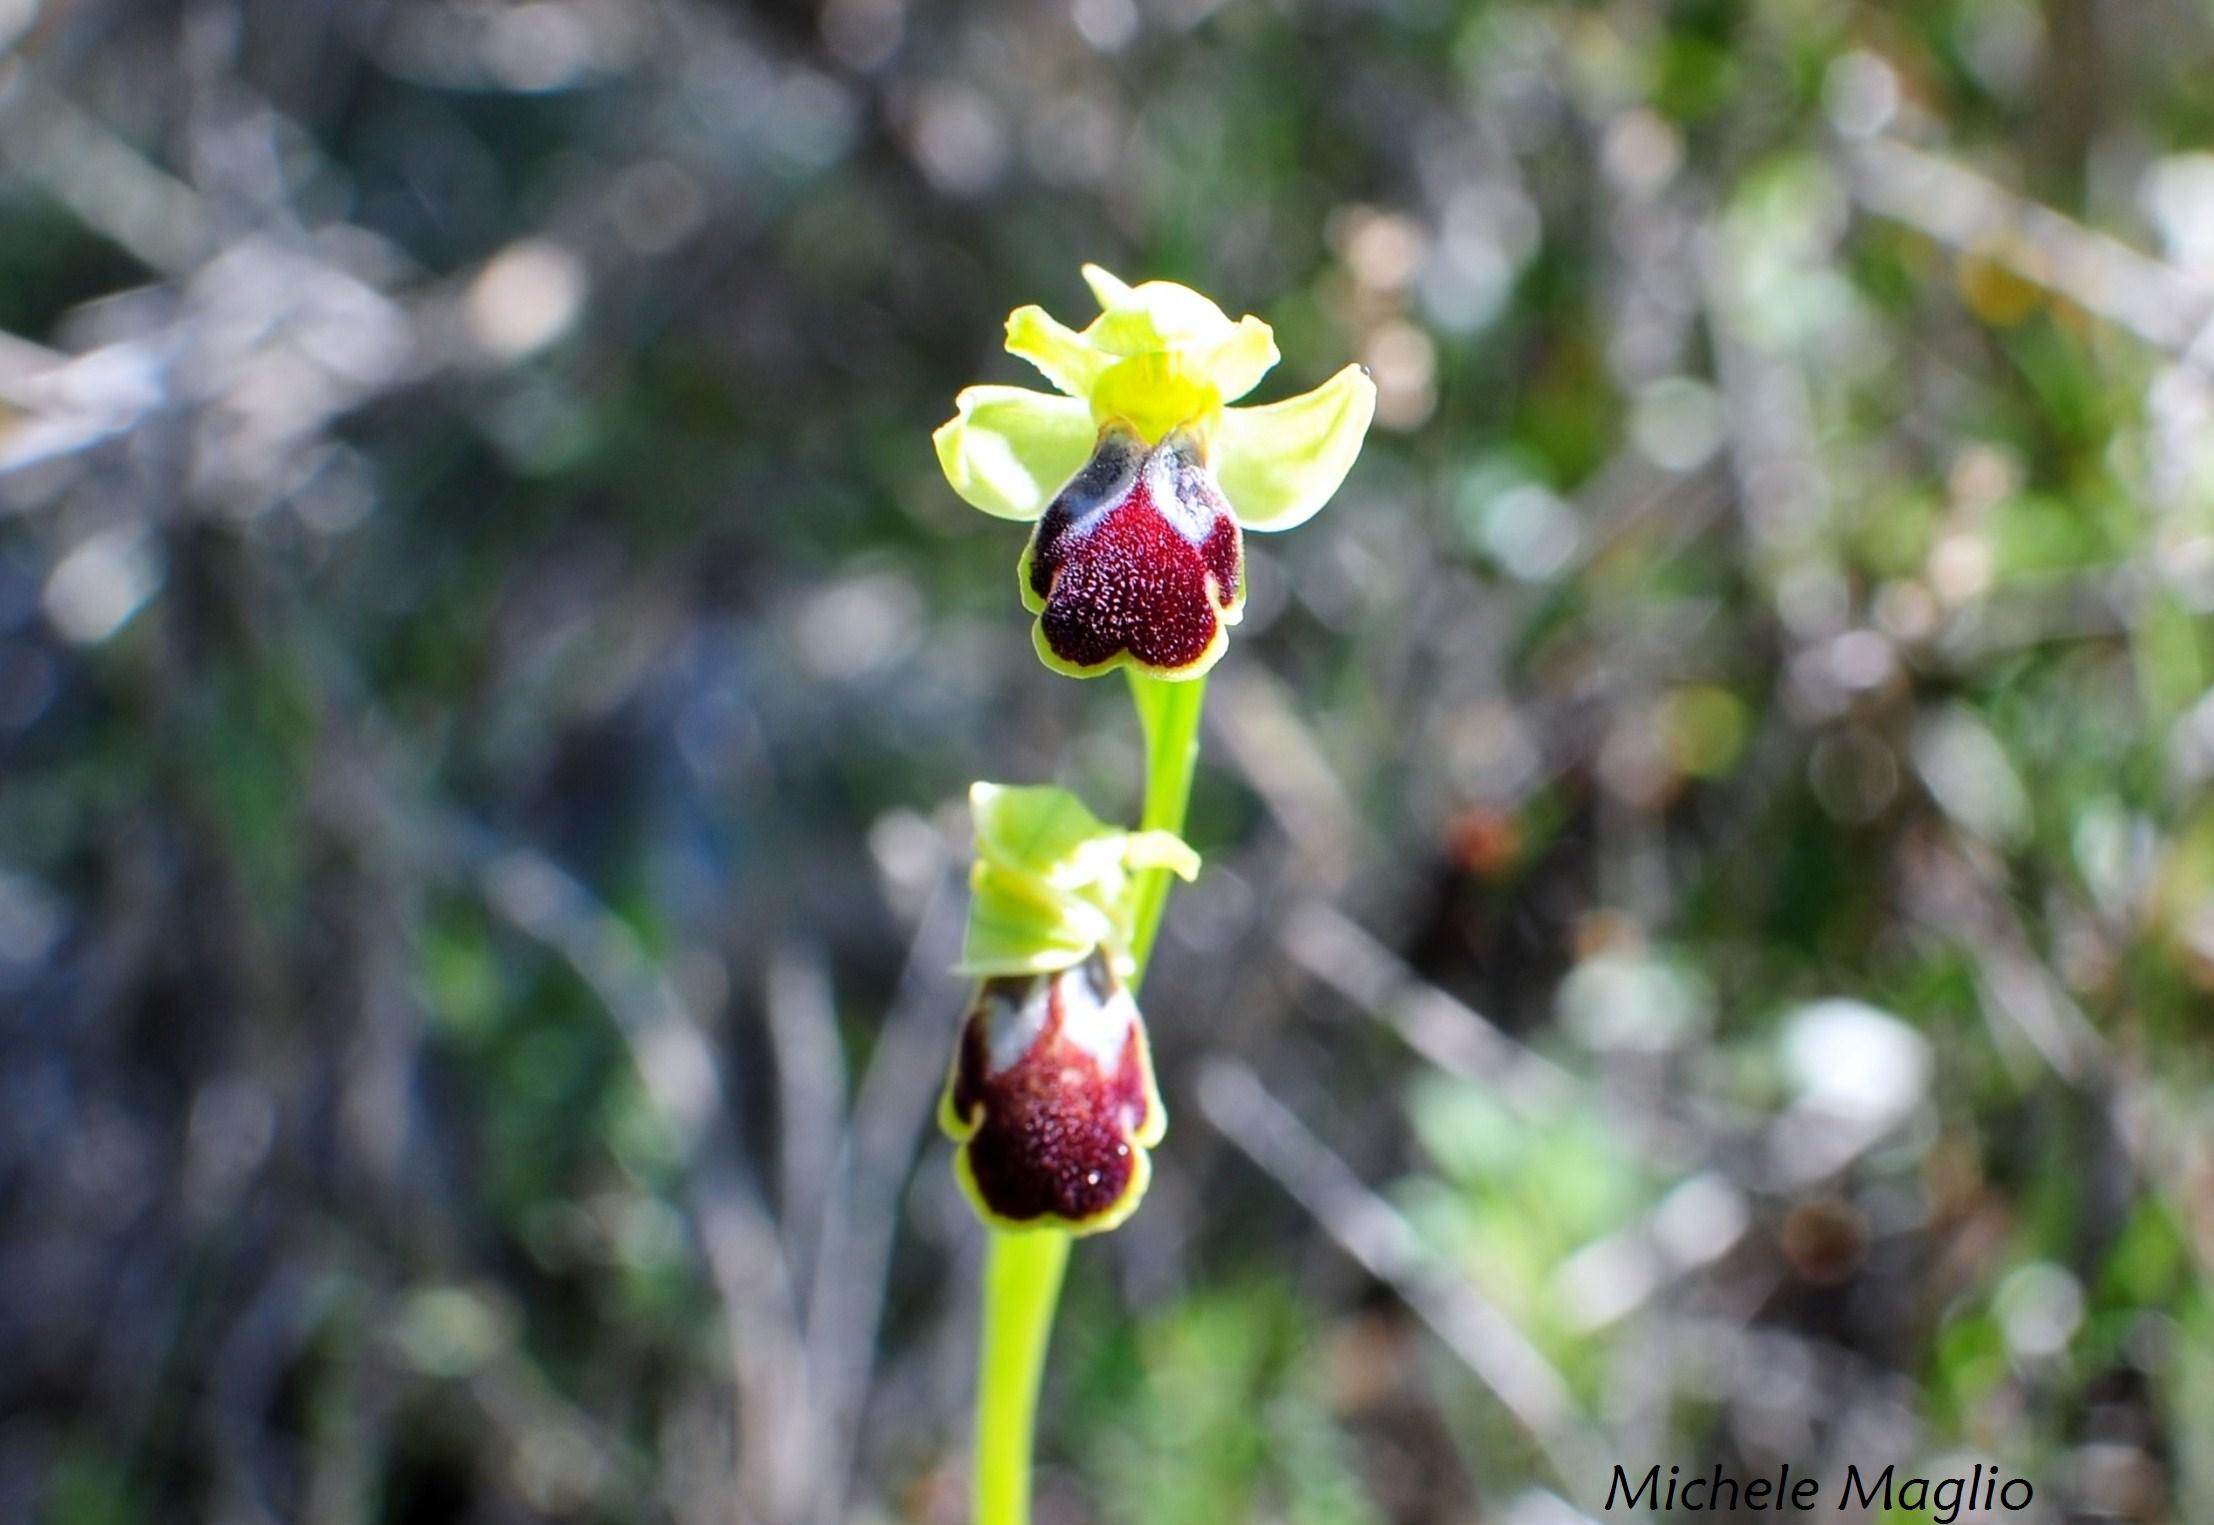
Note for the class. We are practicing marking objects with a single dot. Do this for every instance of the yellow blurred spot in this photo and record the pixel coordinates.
(1703, 729)
(1994, 289)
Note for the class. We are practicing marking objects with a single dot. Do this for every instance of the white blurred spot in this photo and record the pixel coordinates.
(1813, 599)
(1983, 474)
(1861, 94)
(32, 919)
(101, 583)
(1678, 422)
(1485, 235)
(1634, 763)
(1537, 1507)
(1620, 1001)
(909, 852)
(2116, 853)
(864, 34)
(1078, 142)
(527, 296)
(1968, 773)
(1862, 661)
(1606, 1279)
(539, 45)
(2039, 1307)
(1700, 1220)
(810, 121)
(2178, 197)
(2004, 43)
(1850, 1059)
(1382, 249)
(2191, 743)
(1905, 611)
(959, 140)
(451, 1331)
(16, 17)
(858, 626)
(1960, 567)
(1530, 532)
(1642, 152)
(1489, 754)
(1403, 360)
(1108, 25)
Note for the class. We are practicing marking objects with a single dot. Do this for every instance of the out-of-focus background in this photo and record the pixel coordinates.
(1708, 933)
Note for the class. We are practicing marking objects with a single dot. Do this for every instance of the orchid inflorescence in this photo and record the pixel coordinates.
(1140, 479)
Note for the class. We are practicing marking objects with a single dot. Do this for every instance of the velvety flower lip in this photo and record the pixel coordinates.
(1052, 1100)
(1151, 557)
(1138, 560)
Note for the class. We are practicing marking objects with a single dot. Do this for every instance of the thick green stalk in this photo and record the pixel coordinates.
(1022, 1267)
(1022, 1282)
(1169, 712)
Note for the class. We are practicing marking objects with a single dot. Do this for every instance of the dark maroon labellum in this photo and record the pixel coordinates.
(1052, 1098)
(1139, 557)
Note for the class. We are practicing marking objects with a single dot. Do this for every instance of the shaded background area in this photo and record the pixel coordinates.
(1709, 921)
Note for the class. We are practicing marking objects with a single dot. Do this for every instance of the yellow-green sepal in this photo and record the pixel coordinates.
(1009, 450)
(1279, 464)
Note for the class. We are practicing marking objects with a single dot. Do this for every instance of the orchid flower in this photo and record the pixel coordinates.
(1051, 1094)
(1140, 477)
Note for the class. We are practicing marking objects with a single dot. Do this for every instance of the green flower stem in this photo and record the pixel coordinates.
(1023, 1267)
(1169, 712)
(1022, 1282)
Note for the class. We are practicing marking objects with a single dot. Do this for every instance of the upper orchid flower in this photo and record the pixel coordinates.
(1141, 476)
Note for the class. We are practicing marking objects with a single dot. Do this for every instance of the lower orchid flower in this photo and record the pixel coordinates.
(1052, 1100)
(1141, 478)
(1051, 1094)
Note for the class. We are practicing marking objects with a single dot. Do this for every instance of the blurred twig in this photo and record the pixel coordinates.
(861, 1213)
(2099, 273)
(778, 1436)
(1452, 1035)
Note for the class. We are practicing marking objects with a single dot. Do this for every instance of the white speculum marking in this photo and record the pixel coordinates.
(1176, 479)
(1011, 1028)
(1096, 1021)
(1182, 489)
(1098, 1025)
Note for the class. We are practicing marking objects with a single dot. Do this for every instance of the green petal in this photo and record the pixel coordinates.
(1070, 360)
(1008, 450)
(1157, 315)
(1040, 830)
(1050, 881)
(1162, 849)
(1277, 465)
(1236, 365)
(1017, 925)
(1108, 289)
